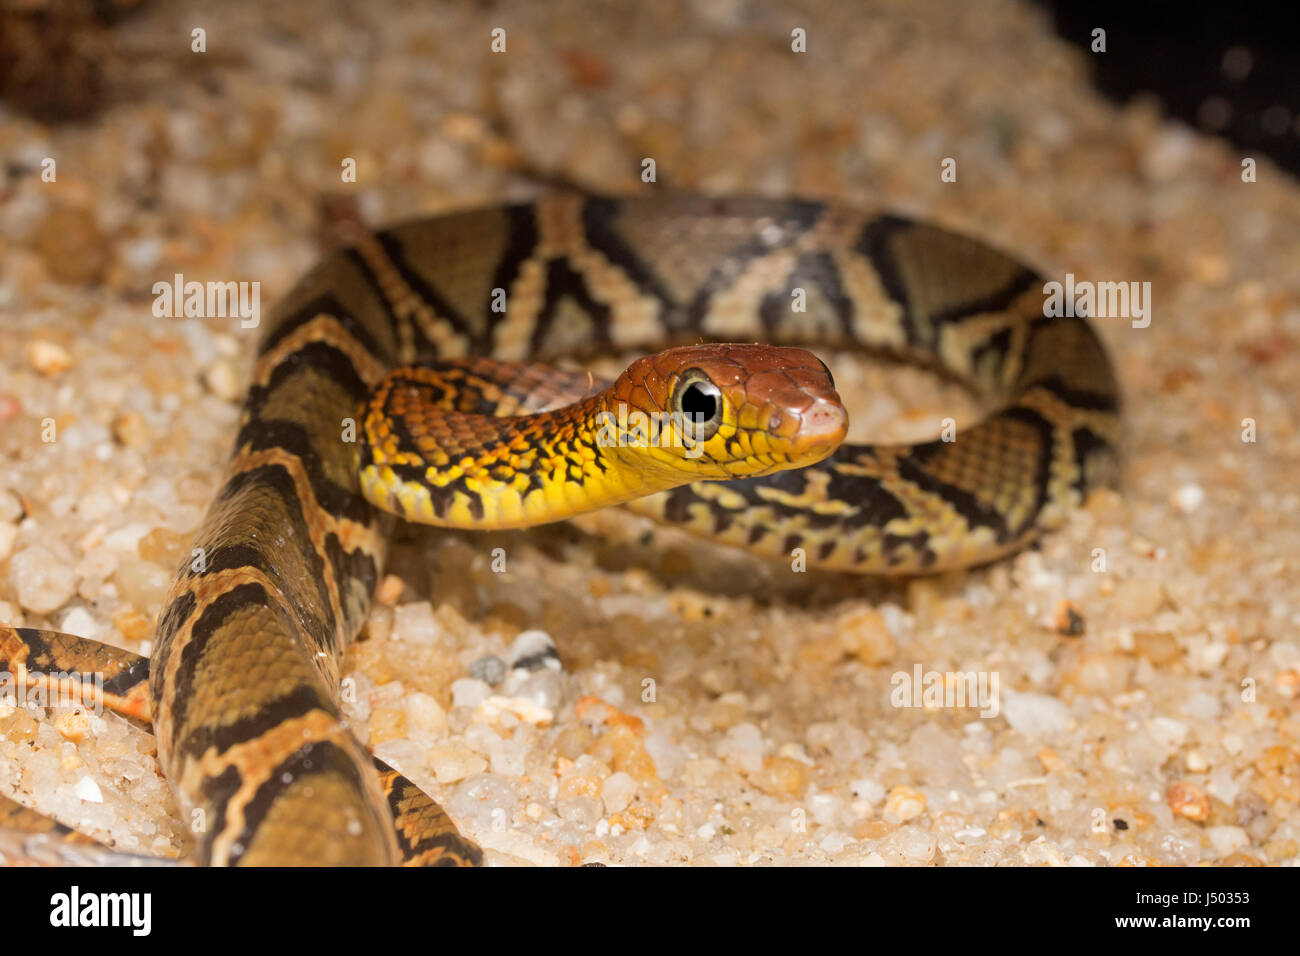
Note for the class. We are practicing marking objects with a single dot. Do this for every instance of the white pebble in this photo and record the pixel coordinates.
(8, 532)
(1188, 498)
(1226, 840)
(11, 509)
(450, 764)
(222, 379)
(482, 738)
(868, 790)
(825, 808)
(79, 621)
(533, 650)
(141, 254)
(508, 761)
(617, 791)
(544, 688)
(1034, 715)
(414, 623)
(1168, 732)
(42, 581)
(89, 791)
(426, 714)
(834, 841)
(743, 746)
(467, 692)
(127, 538)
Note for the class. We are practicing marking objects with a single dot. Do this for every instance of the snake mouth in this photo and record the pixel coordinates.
(822, 428)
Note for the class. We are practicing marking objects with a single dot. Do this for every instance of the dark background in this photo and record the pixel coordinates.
(1178, 51)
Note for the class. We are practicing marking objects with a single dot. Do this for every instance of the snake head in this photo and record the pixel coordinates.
(727, 411)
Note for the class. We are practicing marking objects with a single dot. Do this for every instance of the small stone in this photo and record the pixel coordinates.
(11, 508)
(1051, 760)
(1138, 598)
(10, 614)
(89, 791)
(866, 636)
(743, 746)
(379, 623)
(1034, 715)
(143, 584)
(71, 244)
(450, 764)
(482, 739)
(132, 430)
(1168, 153)
(903, 804)
(868, 790)
(42, 582)
(468, 692)
(79, 622)
(1190, 801)
(72, 725)
(221, 378)
(580, 785)
(390, 590)
(19, 726)
(1099, 674)
(8, 534)
(386, 723)
(415, 624)
(582, 812)
(622, 749)
(508, 761)
(131, 624)
(533, 650)
(544, 689)
(728, 710)
(425, 714)
(783, 777)
(633, 818)
(1226, 840)
(489, 668)
(1188, 498)
(617, 792)
(497, 708)
(1066, 619)
(164, 548)
(1158, 647)
(48, 358)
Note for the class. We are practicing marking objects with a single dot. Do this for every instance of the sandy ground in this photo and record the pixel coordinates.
(712, 709)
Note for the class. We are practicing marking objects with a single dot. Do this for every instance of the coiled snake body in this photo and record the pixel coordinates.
(244, 674)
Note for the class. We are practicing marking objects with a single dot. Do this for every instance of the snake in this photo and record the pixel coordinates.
(419, 373)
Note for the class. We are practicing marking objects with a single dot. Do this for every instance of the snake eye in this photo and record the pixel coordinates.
(699, 401)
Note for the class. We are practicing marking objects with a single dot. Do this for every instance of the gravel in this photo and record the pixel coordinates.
(712, 709)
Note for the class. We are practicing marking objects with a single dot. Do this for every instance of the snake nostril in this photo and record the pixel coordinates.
(824, 419)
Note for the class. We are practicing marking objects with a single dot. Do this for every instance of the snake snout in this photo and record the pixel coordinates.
(823, 425)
